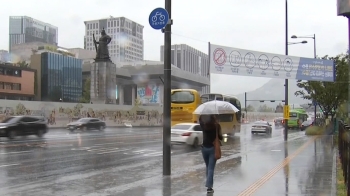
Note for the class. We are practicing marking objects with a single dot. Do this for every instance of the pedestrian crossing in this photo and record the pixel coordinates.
(100, 150)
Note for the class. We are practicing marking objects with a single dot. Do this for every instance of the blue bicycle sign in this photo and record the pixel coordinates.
(158, 18)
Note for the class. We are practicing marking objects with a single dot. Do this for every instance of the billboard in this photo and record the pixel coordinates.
(343, 7)
(234, 61)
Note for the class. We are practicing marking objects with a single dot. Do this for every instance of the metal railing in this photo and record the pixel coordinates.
(344, 152)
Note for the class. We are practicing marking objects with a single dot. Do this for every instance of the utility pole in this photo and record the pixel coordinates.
(167, 95)
(245, 105)
(286, 80)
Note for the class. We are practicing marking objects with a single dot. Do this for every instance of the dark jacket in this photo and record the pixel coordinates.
(209, 135)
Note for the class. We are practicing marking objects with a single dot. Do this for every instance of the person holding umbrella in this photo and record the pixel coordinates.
(212, 134)
(211, 129)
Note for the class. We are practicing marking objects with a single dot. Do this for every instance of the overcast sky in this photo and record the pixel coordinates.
(247, 24)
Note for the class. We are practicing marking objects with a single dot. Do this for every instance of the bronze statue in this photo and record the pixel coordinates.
(102, 53)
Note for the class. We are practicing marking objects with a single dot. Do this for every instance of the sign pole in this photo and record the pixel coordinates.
(167, 95)
(286, 80)
(160, 19)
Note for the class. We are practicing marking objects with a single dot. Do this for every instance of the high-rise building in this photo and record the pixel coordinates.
(59, 77)
(4, 56)
(24, 29)
(189, 59)
(127, 38)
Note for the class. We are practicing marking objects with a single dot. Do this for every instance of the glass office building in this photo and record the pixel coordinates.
(24, 29)
(61, 78)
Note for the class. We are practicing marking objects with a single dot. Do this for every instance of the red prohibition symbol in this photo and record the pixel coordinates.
(219, 56)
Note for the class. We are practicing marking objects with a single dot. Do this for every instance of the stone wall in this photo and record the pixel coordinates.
(60, 114)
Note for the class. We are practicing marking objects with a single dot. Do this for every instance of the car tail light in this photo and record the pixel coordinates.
(186, 134)
(282, 121)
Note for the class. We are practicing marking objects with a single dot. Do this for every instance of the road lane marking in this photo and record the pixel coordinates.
(19, 152)
(70, 140)
(256, 185)
(154, 154)
(107, 152)
(101, 149)
(107, 144)
(9, 165)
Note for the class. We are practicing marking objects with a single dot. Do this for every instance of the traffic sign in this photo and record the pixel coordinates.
(158, 18)
(286, 112)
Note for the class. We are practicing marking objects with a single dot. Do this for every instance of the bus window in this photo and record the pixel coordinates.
(219, 98)
(182, 97)
(204, 98)
(225, 117)
(211, 97)
(237, 104)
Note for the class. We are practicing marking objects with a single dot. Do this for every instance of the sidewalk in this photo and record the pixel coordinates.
(309, 169)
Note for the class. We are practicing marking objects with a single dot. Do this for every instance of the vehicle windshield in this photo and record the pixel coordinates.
(10, 120)
(182, 127)
(182, 97)
(293, 115)
(261, 123)
(83, 120)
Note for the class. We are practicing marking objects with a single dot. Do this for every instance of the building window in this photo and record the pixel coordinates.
(16, 86)
(8, 86)
(12, 72)
(1, 85)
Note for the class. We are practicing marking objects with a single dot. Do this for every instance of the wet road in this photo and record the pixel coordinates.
(104, 163)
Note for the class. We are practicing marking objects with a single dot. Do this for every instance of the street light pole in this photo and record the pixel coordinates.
(315, 56)
(245, 105)
(286, 80)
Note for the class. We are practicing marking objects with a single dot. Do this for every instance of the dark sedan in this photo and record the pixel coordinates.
(262, 127)
(22, 126)
(279, 122)
(87, 123)
(306, 124)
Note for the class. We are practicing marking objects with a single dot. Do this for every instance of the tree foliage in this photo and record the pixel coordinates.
(250, 108)
(265, 108)
(22, 64)
(279, 108)
(328, 95)
(85, 98)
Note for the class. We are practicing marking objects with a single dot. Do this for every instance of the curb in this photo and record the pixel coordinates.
(121, 127)
(334, 173)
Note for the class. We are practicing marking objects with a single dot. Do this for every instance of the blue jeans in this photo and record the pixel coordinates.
(210, 162)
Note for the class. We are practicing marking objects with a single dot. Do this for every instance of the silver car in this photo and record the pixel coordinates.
(262, 127)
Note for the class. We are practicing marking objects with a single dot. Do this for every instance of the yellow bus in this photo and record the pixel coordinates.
(230, 123)
(183, 104)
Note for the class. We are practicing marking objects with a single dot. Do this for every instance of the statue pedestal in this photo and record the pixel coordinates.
(103, 83)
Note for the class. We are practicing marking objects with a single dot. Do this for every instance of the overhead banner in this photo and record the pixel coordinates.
(234, 61)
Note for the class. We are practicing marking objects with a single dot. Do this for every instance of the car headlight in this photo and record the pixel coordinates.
(3, 127)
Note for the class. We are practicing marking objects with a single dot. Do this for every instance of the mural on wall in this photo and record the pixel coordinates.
(59, 114)
(148, 94)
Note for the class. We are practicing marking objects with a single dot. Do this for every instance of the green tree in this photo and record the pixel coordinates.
(22, 64)
(250, 108)
(279, 108)
(85, 98)
(328, 95)
(265, 108)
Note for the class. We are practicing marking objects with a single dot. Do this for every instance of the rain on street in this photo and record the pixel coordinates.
(80, 163)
